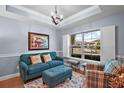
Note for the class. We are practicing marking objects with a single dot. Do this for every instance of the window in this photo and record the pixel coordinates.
(92, 45)
(76, 42)
(86, 45)
(96, 45)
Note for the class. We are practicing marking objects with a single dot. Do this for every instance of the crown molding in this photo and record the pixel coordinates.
(31, 16)
(34, 15)
(86, 13)
(39, 17)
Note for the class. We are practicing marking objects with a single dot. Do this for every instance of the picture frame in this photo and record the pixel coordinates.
(37, 41)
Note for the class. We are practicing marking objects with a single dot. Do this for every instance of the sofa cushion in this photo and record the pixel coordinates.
(110, 65)
(53, 55)
(37, 68)
(54, 63)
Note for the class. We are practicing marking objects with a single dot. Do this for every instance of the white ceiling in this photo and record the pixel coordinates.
(65, 10)
(69, 11)
(107, 10)
(74, 15)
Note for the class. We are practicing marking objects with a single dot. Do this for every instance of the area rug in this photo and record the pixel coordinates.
(77, 81)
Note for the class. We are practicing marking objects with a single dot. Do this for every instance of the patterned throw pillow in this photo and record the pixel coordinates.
(108, 62)
(47, 58)
(35, 59)
(111, 64)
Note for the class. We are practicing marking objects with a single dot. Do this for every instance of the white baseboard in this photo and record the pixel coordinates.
(9, 76)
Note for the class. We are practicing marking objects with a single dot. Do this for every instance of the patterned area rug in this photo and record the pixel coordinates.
(77, 81)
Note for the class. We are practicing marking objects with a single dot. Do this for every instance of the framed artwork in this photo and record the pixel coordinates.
(37, 41)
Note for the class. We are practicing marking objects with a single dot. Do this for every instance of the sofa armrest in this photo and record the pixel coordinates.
(60, 58)
(98, 74)
(23, 66)
(95, 67)
(97, 79)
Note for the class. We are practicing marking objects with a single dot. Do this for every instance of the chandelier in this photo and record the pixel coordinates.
(56, 18)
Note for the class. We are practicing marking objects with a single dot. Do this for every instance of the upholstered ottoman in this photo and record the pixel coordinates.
(56, 75)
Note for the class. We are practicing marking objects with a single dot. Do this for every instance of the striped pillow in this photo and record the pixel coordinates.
(109, 67)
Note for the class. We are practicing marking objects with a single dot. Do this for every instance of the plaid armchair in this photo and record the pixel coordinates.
(96, 78)
(98, 74)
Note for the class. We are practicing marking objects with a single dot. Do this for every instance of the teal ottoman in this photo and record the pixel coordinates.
(56, 75)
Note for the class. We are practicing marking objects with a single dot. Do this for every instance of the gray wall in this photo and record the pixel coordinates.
(14, 40)
(14, 35)
(117, 20)
(59, 40)
(8, 65)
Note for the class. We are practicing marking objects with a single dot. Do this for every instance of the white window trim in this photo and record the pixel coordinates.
(89, 30)
(82, 47)
(84, 60)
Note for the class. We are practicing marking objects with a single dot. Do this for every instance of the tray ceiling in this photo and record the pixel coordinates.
(65, 10)
(74, 15)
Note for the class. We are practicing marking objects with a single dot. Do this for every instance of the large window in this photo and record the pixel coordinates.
(97, 45)
(92, 45)
(86, 45)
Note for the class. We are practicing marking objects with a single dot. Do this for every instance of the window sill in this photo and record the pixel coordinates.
(85, 60)
(91, 61)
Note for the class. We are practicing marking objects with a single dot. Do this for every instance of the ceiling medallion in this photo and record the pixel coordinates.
(56, 18)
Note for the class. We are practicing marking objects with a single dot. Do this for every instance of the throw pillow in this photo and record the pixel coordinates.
(110, 65)
(35, 59)
(108, 62)
(47, 58)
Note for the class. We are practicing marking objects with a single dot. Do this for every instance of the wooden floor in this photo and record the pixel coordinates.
(12, 83)
(17, 82)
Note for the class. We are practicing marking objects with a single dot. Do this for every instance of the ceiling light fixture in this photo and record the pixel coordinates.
(56, 18)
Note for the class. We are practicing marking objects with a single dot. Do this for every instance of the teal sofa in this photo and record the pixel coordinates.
(29, 71)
